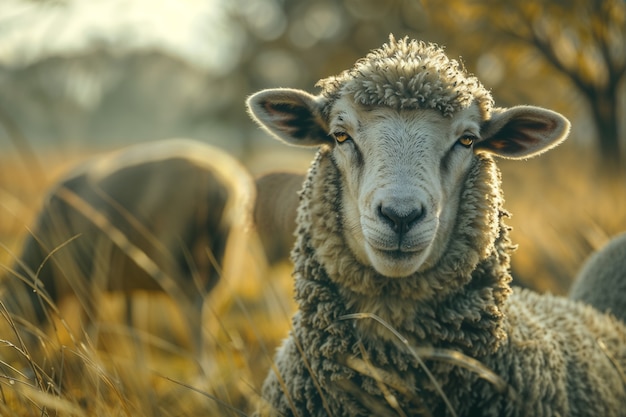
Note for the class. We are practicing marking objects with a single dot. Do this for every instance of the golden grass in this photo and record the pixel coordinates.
(108, 368)
(561, 211)
(563, 208)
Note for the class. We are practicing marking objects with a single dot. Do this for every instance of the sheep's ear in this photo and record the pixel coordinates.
(522, 132)
(293, 116)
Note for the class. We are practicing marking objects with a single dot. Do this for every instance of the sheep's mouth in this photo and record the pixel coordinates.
(398, 254)
(395, 263)
(398, 249)
(394, 256)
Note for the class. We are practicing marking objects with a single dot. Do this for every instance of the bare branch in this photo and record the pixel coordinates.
(542, 43)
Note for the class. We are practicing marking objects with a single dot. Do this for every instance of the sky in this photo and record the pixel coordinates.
(195, 30)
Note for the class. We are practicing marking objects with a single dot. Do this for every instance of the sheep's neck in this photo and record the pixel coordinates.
(456, 304)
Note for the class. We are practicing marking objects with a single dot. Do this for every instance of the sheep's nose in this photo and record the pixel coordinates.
(401, 222)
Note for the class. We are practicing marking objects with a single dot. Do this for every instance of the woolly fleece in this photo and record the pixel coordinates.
(601, 281)
(407, 74)
(546, 348)
(558, 357)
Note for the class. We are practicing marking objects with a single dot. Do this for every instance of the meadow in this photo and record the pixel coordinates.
(563, 209)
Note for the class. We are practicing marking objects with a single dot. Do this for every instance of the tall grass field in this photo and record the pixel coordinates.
(562, 209)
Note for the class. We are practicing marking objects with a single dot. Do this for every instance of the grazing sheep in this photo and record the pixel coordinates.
(275, 212)
(602, 280)
(154, 217)
(401, 248)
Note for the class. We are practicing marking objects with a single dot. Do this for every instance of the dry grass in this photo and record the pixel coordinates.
(563, 209)
(561, 212)
(108, 368)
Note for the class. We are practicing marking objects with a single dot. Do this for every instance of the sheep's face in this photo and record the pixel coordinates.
(402, 171)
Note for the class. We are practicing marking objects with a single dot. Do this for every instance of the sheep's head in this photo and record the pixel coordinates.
(405, 125)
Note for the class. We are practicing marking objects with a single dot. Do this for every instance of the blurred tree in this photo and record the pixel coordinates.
(84, 75)
(131, 82)
(583, 40)
(296, 42)
(293, 43)
(97, 97)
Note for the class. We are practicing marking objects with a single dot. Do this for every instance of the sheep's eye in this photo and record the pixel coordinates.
(341, 137)
(466, 140)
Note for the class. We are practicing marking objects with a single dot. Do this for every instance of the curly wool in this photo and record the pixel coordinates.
(601, 282)
(544, 347)
(407, 74)
(479, 233)
(556, 356)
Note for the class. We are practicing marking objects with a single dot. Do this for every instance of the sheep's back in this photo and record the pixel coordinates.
(563, 357)
(275, 212)
(169, 202)
(602, 280)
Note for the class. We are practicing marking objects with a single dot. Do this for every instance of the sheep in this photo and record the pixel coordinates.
(275, 213)
(402, 248)
(601, 281)
(155, 216)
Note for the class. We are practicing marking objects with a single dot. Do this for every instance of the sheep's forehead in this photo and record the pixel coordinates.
(380, 123)
(407, 74)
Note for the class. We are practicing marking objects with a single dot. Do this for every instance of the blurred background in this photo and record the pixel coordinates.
(80, 77)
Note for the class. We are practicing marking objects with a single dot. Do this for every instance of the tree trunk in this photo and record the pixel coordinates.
(604, 110)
